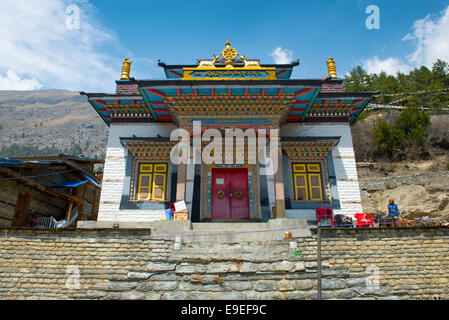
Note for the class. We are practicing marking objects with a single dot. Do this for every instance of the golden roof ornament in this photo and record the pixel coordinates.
(126, 69)
(229, 54)
(331, 69)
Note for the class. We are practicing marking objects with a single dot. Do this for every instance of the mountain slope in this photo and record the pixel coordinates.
(58, 119)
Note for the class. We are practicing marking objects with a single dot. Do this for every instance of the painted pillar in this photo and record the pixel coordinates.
(181, 183)
(279, 188)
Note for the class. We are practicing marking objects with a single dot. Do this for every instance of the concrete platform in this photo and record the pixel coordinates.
(274, 229)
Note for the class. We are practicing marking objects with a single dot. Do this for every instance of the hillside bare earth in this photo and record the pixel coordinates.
(51, 118)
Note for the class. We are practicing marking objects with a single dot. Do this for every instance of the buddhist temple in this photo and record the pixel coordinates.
(308, 121)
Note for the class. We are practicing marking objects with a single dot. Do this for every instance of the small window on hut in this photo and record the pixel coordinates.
(152, 182)
(307, 182)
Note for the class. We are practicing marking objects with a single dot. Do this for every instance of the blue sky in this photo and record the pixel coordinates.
(40, 51)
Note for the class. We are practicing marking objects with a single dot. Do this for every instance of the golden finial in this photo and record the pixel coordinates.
(229, 54)
(331, 70)
(126, 69)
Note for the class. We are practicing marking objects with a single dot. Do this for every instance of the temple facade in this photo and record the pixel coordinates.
(297, 152)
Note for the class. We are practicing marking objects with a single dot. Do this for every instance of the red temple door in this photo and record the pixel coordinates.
(230, 196)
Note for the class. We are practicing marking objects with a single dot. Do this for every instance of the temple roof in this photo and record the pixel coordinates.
(228, 90)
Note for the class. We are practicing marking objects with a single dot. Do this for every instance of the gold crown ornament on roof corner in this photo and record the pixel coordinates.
(126, 69)
(331, 69)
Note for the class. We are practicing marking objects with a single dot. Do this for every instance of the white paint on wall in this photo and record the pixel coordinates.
(114, 173)
(344, 164)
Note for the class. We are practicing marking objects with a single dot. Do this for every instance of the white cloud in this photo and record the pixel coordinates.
(389, 65)
(13, 82)
(282, 56)
(37, 44)
(430, 36)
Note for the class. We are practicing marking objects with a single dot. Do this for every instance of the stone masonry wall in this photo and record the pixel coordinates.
(129, 264)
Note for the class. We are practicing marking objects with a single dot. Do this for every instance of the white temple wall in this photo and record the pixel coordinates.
(344, 163)
(114, 173)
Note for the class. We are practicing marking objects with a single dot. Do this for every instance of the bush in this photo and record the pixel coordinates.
(447, 166)
(403, 137)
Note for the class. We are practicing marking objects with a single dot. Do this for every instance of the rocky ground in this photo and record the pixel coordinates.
(419, 188)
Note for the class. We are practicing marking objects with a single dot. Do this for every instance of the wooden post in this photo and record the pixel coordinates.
(279, 188)
(181, 183)
(318, 262)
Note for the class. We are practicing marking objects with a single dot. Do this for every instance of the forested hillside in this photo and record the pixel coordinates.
(416, 132)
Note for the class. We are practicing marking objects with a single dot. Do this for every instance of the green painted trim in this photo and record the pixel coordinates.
(360, 111)
(310, 104)
(148, 104)
(105, 121)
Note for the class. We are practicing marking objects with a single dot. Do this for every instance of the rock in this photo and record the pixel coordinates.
(265, 285)
(345, 294)
(305, 284)
(164, 285)
(227, 296)
(443, 204)
(132, 295)
(298, 266)
(175, 296)
(294, 295)
(121, 286)
(152, 296)
(158, 267)
(286, 285)
(240, 285)
(332, 284)
(285, 266)
(218, 268)
(138, 275)
(247, 267)
(184, 269)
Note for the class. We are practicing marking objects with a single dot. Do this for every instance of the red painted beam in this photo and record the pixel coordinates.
(303, 92)
(195, 92)
(281, 72)
(229, 91)
(157, 103)
(246, 92)
(263, 92)
(156, 93)
(212, 92)
(357, 101)
(178, 92)
(175, 73)
(280, 91)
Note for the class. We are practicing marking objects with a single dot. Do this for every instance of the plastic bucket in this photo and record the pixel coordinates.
(168, 213)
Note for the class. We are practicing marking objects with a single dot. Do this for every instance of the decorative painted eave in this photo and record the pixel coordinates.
(312, 149)
(167, 97)
(338, 106)
(119, 107)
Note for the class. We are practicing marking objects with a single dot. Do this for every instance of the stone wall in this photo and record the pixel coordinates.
(129, 264)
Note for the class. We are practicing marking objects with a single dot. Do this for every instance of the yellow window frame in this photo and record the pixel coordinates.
(164, 185)
(320, 186)
(150, 183)
(305, 186)
(152, 170)
(307, 170)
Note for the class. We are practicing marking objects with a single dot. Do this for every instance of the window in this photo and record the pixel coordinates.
(152, 181)
(307, 182)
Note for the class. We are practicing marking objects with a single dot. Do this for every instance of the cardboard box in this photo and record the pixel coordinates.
(181, 215)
